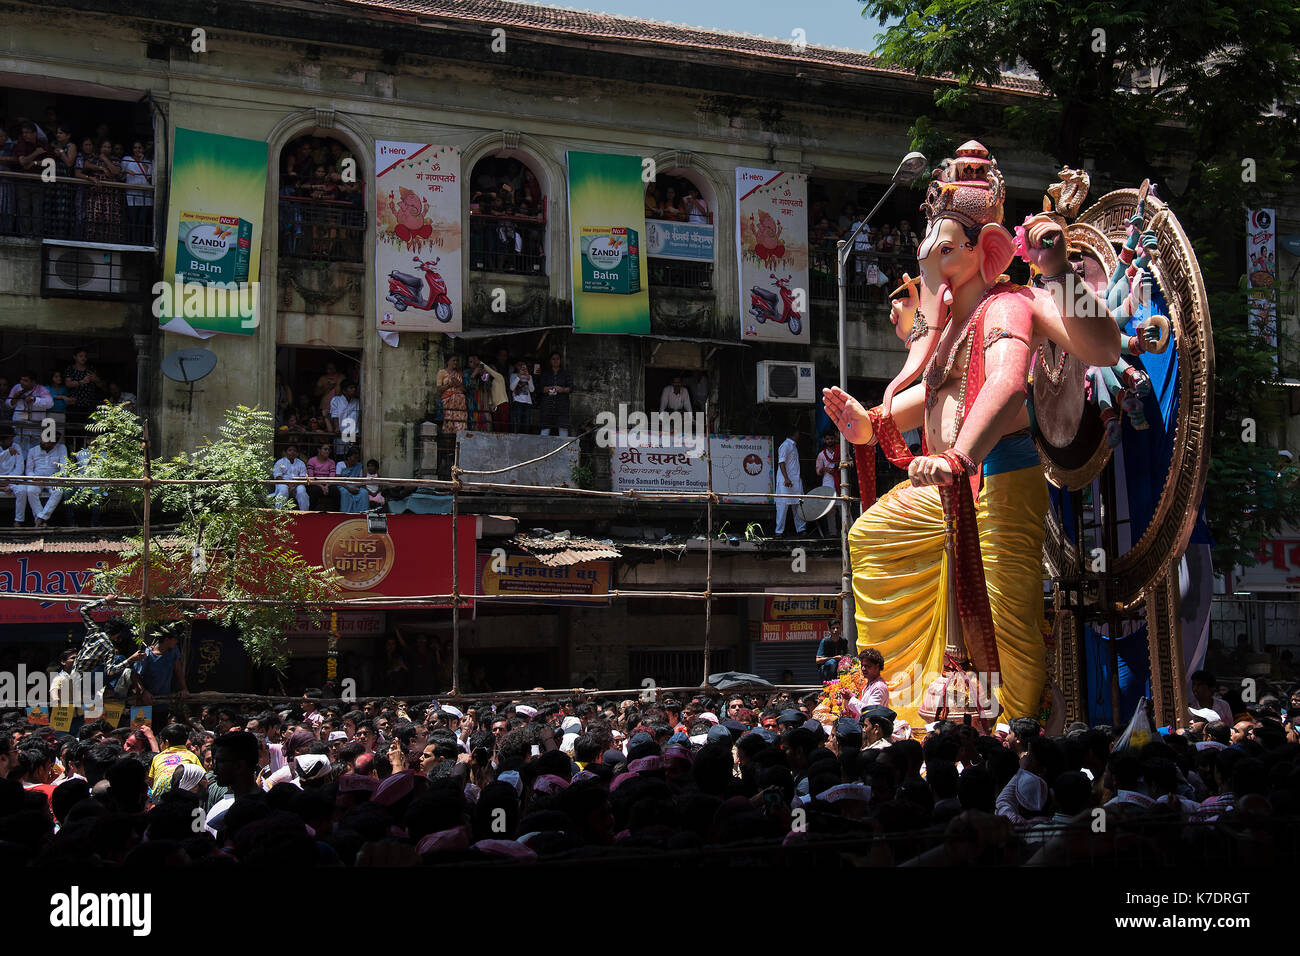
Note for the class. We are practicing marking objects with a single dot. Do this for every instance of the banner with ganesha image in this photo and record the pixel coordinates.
(772, 248)
(417, 238)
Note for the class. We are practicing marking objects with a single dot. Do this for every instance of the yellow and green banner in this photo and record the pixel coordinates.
(211, 256)
(606, 226)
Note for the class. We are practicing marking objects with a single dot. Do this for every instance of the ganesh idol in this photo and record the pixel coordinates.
(947, 566)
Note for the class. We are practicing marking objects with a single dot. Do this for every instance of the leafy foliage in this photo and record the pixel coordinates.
(227, 543)
(1202, 99)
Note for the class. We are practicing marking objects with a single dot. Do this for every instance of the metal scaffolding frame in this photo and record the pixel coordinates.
(456, 487)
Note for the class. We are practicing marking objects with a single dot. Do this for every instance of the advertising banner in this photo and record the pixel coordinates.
(212, 254)
(772, 247)
(742, 465)
(691, 241)
(776, 632)
(1278, 568)
(418, 237)
(606, 226)
(800, 608)
(1261, 270)
(573, 584)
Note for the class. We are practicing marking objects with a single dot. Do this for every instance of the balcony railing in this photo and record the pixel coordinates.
(324, 229)
(871, 276)
(507, 244)
(680, 274)
(79, 210)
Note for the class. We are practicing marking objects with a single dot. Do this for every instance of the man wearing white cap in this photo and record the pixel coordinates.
(1204, 697)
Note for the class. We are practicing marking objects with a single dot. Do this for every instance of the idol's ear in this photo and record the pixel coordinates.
(997, 247)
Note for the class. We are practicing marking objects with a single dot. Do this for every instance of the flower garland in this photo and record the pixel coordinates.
(848, 678)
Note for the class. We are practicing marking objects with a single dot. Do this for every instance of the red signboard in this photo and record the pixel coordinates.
(413, 559)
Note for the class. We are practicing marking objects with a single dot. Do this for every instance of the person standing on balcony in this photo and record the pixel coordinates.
(500, 397)
(697, 210)
(31, 153)
(44, 461)
(29, 401)
(828, 466)
(521, 398)
(478, 391)
(327, 386)
(556, 385)
(789, 481)
(138, 171)
(451, 396)
(345, 418)
(83, 387)
(102, 206)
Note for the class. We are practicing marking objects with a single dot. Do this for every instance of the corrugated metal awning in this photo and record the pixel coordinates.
(563, 549)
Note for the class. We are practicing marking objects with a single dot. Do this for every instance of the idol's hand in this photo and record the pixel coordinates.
(848, 415)
(1045, 245)
(930, 470)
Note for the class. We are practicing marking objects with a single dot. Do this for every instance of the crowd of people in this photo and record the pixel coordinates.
(510, 394)
(93, 209)
(507, 217)
(319, 174)
(397, 781)
(676, 199)
(65, 398)
(881, 253)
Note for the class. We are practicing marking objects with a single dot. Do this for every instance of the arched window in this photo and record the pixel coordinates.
(508, 211)
(681, 234)
(322, 200)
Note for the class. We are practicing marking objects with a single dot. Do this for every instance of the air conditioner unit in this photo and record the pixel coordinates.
(83, 271)
(789, 383)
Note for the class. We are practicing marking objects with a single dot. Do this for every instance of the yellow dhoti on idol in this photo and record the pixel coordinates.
(901, 587)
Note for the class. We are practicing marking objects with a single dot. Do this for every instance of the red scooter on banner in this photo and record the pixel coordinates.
(763, 305)
(404, 291)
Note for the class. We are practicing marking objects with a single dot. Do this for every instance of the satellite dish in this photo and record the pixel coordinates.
(188, 365)
(1291, 244)
(817, 503)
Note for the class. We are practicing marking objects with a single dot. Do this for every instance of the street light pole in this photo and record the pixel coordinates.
(911, 166)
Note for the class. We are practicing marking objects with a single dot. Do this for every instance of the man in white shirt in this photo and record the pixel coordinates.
(345, 417)
(288, 467)
(29, 402)
(789, 481)
(43, 461)
(675, 397)
(13, 464)
(828, 466)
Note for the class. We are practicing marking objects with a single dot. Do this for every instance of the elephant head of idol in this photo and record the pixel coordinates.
(965, 245)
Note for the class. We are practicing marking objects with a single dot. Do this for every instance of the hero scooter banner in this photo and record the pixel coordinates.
(606, 244)
(417, 237)
(772, 244)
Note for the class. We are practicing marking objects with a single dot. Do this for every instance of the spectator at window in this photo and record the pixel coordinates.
(138, 171)
(327, 387)
(451, 396)
(352, 498)
(320, 465)
(29, 401)
(556, 386)
(13, 464)
(908, 240)
(675, 397)
(101, 207)
(374, 493)
(499, 400)
(116, 396)
(478, 394)
(58, 392)
(521, 398)
(43, 461)
(509, 246)
(697, 210)
(652, 203)
(30, 154)
(672, 206)
(885, 243)
(285, 471)
(83, 387)
(283, 399)
(345, 417)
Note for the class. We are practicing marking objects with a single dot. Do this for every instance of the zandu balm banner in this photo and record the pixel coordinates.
(606, 222)
(216, 209)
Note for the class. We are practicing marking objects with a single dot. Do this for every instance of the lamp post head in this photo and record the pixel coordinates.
(913, 165)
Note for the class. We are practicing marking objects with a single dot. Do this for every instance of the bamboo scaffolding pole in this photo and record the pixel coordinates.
(412, 601)
(708, 555)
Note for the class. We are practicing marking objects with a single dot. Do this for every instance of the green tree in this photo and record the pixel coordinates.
(1200, 98)
(222, 541)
